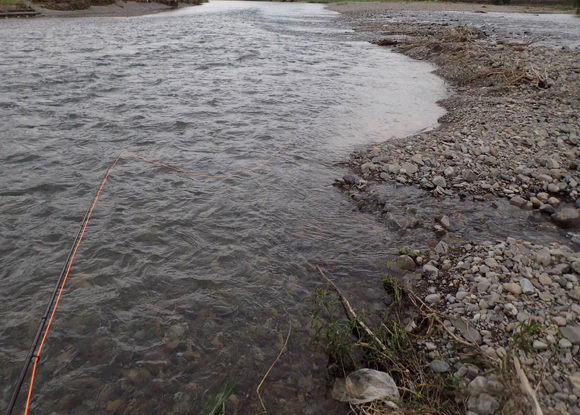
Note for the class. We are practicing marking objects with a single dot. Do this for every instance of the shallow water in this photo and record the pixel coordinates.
(181, 282)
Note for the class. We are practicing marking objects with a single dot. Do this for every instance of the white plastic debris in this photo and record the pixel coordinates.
(365, 385)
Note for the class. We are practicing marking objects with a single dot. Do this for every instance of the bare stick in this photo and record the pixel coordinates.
(270, 369)
(351, 311)
(527, 388)
(437, 316)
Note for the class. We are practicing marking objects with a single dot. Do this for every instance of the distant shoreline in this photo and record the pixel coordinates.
(119, 9)
(436, 6)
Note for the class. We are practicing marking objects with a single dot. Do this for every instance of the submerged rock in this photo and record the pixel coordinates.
(566, 218)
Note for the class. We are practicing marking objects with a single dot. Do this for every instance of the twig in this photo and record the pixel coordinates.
(435, 315)
(527, 388)
(271, 367)
(351, 311)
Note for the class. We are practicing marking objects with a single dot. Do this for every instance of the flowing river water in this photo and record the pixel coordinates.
(182, 282)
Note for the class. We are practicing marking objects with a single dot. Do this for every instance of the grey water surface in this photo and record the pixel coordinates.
(184, 282)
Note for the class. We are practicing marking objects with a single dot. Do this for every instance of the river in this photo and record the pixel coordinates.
(184, 282)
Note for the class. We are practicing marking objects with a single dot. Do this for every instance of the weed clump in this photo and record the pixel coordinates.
(391, 346)
(217, 402)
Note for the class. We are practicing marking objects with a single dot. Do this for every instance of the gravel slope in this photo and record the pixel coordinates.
(512, 131)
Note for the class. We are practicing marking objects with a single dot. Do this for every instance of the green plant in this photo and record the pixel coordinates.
(12, 3)
(408, 252)
(216, 403)
(394, 290)
(523, 337)
(339, 341)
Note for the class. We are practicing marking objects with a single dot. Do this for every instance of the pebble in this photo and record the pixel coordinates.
(430, 270)
(572, 333)
(439, 366)
(439, 181)
(546, 208)
(441, 248)
(486, 306)
(574, 294)
(433, 298)
(513, 288)
(409, 168)
(543, 257)
(483, 404)
(527, 287)
(539, 345)
(446, 223)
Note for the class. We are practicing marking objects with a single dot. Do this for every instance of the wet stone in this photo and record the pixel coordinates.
(518, 201)
(441, 248)
(546, 208)
(446, 223)
(433, 298)
(114, 406)
(349, 179)
(138, 376)
(306, 384)
(566, 218)
(405, 263)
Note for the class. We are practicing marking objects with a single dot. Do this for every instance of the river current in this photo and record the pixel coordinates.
(184, 282)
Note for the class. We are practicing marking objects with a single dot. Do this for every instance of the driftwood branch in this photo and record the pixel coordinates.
(527, 388)
(351, 311)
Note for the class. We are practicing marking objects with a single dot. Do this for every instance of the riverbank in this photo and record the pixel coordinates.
(24, 8)
(117, 9)
(352, 8)
(511, 132)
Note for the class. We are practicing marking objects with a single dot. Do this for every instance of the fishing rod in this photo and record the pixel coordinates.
(31, 353)
(46, 320)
